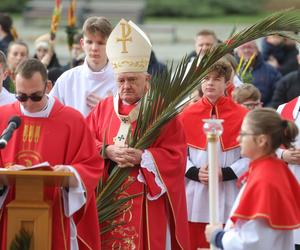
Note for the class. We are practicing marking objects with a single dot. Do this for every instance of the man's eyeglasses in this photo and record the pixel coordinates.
(33, 97)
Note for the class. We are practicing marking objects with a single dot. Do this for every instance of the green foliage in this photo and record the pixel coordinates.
(21, 241)
(202, 8)
(15, 6)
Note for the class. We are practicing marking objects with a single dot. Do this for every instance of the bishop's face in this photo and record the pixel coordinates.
(31, 92)
(132, 86)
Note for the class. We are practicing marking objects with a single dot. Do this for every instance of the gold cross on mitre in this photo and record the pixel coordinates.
(128, 48)
(126, 31)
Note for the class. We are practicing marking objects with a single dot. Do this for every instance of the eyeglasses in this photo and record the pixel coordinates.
(33, 97)
(242, 133)
(252, 105)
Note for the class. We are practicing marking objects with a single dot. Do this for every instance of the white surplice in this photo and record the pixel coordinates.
(6, 97)
(255, 234)
(197, 193)
(73, 86)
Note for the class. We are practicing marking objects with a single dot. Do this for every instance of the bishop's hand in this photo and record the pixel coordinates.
(124, 156)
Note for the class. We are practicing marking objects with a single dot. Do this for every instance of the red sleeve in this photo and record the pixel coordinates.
(84, 157)
(93, 123)
(170, 152)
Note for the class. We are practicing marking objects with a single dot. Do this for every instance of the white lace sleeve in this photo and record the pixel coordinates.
(148, 163)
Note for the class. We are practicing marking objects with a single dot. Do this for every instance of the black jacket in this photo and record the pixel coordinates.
(287, 88)
(286, 55)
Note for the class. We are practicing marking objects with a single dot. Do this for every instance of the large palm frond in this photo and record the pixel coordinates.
(168, 95)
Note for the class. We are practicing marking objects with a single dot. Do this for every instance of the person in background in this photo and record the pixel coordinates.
(77, 53)
(17, 52)
(263, 75)
(267, 209)
(53, 75)
(155, 66)
(44, 51)
(287, 88)
(5, 96)
(204, 40)
(290, 111)
(84, 86)
(248, 96)
(281, 53)
(6, 35)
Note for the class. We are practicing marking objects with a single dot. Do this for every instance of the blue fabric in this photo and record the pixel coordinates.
(264, 78)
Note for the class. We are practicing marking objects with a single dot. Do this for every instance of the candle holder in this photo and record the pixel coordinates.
(213, 129)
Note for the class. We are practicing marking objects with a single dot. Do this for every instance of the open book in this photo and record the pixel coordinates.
(41, 166)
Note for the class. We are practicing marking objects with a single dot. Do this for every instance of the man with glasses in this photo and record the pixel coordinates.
(248, 96)
(52, 132)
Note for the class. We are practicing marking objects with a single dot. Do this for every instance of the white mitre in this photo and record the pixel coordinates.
(128, 48)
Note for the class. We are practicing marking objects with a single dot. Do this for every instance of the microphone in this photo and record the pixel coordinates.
(13, 124)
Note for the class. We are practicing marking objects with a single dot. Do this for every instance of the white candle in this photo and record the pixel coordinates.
(213, 129)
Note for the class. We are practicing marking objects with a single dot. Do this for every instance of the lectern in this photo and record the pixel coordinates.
(29, 210)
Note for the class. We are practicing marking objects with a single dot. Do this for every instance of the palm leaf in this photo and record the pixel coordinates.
(21, 241)
(168, 95)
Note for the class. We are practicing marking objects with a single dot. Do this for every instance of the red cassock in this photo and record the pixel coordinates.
(145, 221)
(272, 193)
(62, 138)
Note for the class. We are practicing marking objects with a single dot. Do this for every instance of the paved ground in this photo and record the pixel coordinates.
(164, 46)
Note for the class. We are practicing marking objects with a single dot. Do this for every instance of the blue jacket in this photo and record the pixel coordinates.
(264, 78)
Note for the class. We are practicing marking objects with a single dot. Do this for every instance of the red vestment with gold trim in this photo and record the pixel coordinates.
(62, 138)
(145, 221)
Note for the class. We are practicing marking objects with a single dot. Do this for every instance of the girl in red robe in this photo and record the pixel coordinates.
(267, 209)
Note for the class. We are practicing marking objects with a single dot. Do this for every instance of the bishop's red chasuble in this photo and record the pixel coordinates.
(272, 193)
(61, 138)
(145, 221)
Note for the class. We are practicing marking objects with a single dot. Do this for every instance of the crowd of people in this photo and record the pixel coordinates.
(92, 105)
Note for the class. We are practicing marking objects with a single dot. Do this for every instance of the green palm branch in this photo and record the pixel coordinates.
(21, 241)
(168, 95)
